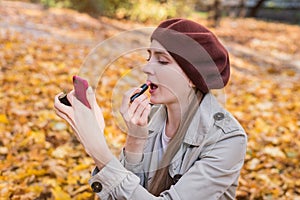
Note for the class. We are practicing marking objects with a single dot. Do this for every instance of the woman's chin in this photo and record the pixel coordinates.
(154, 100)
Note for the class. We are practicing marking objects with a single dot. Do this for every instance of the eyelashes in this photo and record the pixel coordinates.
(160, 59)
(163, 62)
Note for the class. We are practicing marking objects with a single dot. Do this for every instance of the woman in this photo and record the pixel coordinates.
(184, 146)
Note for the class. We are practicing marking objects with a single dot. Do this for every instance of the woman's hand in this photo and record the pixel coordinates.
(135, 114)
(88, 125)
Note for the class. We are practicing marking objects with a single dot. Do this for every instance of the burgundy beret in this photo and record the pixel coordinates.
(197, 51)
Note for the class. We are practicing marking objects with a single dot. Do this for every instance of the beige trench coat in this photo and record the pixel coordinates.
(207, 166)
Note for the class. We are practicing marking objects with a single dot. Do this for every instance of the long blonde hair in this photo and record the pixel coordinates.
(162, 180)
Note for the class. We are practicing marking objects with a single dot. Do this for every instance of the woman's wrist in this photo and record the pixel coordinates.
(135, 144)
(134, 148)
(100, 163)
(102, 160)
(100, 153)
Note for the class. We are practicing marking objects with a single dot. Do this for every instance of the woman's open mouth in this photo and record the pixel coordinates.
(153, 87)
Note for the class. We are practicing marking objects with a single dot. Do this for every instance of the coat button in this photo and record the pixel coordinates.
(219, 116)
(96, 187)
(176, 178)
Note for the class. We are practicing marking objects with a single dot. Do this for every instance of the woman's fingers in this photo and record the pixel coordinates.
(135, 111)
(68, 119)
(145, 114)
(137, 108)
(60, 106)
(63, 111)
(70, 96)
(126, 100)
(134, 106)
(90, 95)
(56, 100)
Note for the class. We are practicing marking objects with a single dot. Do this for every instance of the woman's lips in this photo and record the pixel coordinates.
(153, 87)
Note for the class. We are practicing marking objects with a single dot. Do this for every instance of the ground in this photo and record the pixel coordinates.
(40, 49)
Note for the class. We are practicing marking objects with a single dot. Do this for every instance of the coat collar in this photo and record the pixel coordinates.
(200, 124)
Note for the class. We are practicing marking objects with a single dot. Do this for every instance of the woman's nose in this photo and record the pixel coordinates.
(148, 68)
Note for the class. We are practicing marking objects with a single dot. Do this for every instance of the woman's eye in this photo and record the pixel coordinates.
(163, 62)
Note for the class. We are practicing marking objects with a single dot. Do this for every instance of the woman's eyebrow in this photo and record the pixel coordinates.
(160, 53)
(157, 51)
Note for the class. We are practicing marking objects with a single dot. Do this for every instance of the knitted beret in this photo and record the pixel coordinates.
(197, 51)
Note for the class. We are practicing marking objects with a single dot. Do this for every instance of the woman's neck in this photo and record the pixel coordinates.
(175, 112)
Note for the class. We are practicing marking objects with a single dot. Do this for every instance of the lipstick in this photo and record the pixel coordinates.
(144, 87)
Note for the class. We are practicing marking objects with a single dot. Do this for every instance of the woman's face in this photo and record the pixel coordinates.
(169, 84)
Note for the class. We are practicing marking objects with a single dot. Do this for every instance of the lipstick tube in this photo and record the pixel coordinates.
(144, 88)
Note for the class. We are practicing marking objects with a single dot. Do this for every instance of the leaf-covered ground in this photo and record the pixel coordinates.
(41, 49)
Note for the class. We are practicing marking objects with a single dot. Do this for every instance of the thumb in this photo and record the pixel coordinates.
(90, 95)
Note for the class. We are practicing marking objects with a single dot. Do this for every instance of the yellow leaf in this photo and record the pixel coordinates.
(3, 119)
(84, 195)
(274, 151)
(59, 194)
(38, 136)
(61, 152)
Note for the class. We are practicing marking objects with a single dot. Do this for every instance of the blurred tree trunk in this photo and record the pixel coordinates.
(255, 9)
(236, 10)
(215, 13)
(241, 12)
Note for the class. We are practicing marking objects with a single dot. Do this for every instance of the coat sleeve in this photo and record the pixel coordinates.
(209, 178)
(137, 169)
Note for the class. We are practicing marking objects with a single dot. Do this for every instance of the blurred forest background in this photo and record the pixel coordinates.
(143, 11)
(43, 44)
